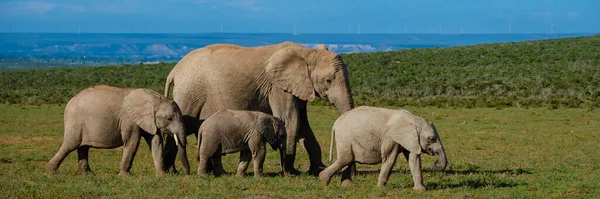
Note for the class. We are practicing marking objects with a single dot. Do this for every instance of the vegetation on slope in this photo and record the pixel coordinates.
(562, 72)
(552, 73)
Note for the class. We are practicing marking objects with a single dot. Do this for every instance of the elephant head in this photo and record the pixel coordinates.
(308, 73)
(417, 135)
(276, 137)
(156, 113)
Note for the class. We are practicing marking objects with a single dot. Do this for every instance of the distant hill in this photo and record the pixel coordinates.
(58, 49)
(552, 73)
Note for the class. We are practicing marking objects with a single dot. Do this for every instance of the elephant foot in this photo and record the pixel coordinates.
(419, 189)
(85, 172)
(125, 174)
(238, 174)
(50, 170)
(324, 178)
(171, 170)
(292, 172)
(219, 173)
(160, 174)
(348, 183)
(203, 174)
(315, 171)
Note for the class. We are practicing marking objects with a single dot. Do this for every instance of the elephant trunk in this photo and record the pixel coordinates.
(442, 162)
(282, 156)
(343, 98)
(181, 140)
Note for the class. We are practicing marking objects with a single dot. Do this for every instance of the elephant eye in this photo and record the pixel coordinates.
(328, 81)
(431, 139)
(169, 118)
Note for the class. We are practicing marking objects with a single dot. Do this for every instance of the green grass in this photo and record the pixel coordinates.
(548, 73)
(492, 153)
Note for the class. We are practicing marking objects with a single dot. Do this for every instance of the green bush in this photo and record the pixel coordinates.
(548, 73)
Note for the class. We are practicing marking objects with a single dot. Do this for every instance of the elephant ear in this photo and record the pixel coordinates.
(402, 129)
(289, 71)
(322, 47)
(139, 106)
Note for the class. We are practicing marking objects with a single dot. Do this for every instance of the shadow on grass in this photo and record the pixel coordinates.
(519, 171)
(473, 178)
(266, 174)
(514, 172)
(473, 184)
(480, 178)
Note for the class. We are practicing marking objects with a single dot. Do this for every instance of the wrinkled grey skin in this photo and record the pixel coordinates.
(107, 117)
(247, 132)
(277, 79)
(370, 135)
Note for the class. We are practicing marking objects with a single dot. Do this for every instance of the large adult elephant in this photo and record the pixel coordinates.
(277, 79)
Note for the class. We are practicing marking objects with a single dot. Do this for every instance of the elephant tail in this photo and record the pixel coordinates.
(199, 141)
(331, 145)
(168, 83)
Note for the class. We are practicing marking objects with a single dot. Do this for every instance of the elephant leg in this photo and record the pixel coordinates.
(313, 149)
(245, 157)
(285, 107)
(310, 142)
(414, 162)
(202, 164)
(155, 142)
(258, 158)
(325, 175)
(347, 174)
(290, 156)
(388, 163)
(206, 152)
(216, 162)
(82, 155)
(170, 154)
(55, 162)
(129, 151)
(192, 124)
(406, 154)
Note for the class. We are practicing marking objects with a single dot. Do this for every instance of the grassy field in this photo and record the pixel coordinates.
(492, 153)
(548, 73)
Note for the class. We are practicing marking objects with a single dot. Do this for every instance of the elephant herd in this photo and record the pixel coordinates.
(238, 99)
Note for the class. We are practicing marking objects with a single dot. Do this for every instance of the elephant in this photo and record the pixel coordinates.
(371, 135)
(107, 117)
(231, 131)
(277, 79)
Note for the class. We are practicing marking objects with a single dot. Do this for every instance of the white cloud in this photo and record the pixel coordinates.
(26, 8)
(245, 4)
(544, 14)
(199, 2)
(73, 8)
(574, 14)
(126, 6)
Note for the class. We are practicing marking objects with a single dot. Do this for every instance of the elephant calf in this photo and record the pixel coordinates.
(231, 131)
(370, 135)
(108, 117)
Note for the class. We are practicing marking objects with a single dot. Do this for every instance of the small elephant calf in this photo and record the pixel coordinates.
(231, 131)
(370, 135)
(108, 117)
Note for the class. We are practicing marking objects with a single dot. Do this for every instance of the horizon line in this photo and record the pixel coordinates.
(292, 34)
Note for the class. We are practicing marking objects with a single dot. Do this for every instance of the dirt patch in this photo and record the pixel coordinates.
(5, 160)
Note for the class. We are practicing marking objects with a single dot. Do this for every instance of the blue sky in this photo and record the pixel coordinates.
(309, 16)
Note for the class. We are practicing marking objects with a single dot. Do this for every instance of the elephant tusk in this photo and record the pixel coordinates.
(176, 140)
